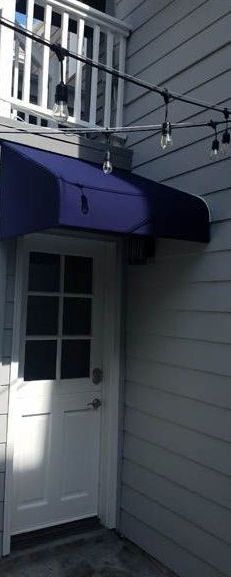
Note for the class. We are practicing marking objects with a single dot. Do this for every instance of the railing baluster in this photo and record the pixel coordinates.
(43, 96)
(16, 75)
(28, 52)
(108, 87)
(94, 75)
(64, 40)
(78, 77)
(120, 91)
(6, 57)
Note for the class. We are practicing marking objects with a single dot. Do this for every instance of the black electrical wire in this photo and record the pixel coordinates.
(112, 71)
(112, 130)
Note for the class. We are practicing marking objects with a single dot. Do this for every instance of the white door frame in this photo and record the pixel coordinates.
(109, 461)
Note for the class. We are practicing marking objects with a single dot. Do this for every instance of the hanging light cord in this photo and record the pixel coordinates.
(100, 130)
(109, 70)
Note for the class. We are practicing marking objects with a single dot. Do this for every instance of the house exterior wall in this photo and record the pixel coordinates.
(176, 483)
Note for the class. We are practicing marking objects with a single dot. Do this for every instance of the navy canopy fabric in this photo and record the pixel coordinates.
(41, 190)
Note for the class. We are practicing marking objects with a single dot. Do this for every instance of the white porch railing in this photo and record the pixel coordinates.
(27, 88)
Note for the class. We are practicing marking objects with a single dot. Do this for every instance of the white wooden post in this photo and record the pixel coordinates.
(46, 56)
(108, 87)
(78, 76)
(16, 75)
(28, 52)
(94, 75)
(7, 10)
(120, 91)
(64, 41)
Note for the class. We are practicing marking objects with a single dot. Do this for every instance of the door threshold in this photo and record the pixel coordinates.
(50, 535)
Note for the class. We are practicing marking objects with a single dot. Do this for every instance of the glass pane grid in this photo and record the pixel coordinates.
(64, 352)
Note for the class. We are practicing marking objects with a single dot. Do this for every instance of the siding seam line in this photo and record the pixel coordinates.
(182, 18)
(175, 483)
(154, 529)
(175, 423)
(179, 515)
(139, 5)
(172, 452)
(180, 338)
(186, 68)
(165, 363)
(178, 395)
(182, 44)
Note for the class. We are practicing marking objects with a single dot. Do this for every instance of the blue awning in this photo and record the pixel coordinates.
(42, 190)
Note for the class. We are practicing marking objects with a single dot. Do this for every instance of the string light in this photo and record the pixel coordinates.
(166, 132)
(60, 108)
(107, 165)
(226, 135)
(215, 143)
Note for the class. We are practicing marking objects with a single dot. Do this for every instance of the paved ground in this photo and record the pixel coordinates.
(99, 553)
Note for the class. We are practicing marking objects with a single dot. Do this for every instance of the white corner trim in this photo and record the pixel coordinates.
(12, 398)
(108, 488)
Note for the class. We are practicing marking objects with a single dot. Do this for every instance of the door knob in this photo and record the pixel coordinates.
(96, 403)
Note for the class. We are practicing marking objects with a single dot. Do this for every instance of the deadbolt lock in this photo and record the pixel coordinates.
(97, 376)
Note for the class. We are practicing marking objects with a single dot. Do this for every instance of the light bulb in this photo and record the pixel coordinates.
(107, 165)
(169, 135)
(163, 141)
(166, 135)
(60, 108)
(215, 149)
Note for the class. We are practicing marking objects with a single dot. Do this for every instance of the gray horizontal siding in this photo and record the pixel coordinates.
(175, 498)
(181, 470)
(174, 33)
(186, 534)
(196, 49)
(207, 387)
(191, 414)
(176, 474)
(158, 545)
(192, 82)
(162, 41)
(187, 509)
(205, 450)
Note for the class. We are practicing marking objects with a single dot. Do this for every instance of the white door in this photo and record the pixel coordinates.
(58, 404)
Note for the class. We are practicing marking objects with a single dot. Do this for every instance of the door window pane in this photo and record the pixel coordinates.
(75, 362)
(40, 360)
(42, 315)
(77, 316)
(78, 274)
(44, 272)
